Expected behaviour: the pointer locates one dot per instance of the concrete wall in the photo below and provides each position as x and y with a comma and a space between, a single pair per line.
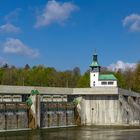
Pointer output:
96, 91
4, 89
100, 110
19, 90
110, 110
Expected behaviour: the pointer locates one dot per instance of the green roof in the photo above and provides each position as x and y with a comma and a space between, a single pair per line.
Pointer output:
95, 61
94, 64
107, 77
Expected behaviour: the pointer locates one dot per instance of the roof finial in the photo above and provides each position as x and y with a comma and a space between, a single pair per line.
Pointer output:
94, 51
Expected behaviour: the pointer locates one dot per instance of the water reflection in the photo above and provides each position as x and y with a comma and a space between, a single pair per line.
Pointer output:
75, 133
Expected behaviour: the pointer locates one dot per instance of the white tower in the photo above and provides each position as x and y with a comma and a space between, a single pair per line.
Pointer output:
95, 71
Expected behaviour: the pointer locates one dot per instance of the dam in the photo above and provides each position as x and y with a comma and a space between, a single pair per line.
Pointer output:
103, 103
65, 107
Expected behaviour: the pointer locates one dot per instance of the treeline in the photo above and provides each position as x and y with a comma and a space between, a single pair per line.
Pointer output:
41, 76
128, 79
50, 77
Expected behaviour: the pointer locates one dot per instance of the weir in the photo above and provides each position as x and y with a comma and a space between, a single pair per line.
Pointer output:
57, 114
64, 107
130, 110
16, 115
13, 115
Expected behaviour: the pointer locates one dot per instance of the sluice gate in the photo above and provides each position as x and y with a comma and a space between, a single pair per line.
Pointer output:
16, 115
13, 115
57, 114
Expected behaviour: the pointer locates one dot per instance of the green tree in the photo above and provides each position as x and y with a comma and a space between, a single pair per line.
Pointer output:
37, 76
84, 80
76, 74
51, 77
129, 79
120, 79
10, 76
137, 78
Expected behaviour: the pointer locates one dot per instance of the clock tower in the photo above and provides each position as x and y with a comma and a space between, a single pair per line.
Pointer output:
95, 71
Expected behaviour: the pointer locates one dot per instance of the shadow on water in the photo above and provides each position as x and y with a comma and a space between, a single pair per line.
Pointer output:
74, 133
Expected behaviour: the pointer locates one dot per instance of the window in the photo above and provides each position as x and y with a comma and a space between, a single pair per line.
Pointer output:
94, 83
104, 83
110, 83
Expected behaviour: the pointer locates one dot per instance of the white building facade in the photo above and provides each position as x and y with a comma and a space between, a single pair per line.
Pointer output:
100, 80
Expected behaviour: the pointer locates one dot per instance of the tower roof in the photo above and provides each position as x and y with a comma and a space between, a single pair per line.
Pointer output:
94, 64
95, 61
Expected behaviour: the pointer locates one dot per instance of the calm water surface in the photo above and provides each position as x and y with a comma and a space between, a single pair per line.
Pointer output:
75, 133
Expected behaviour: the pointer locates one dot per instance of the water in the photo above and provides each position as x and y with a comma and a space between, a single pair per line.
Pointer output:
74, 133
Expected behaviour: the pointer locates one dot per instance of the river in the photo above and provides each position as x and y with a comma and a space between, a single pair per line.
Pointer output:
74, 133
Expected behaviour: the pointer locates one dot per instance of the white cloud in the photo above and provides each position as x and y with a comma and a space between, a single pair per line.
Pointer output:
121, 65
15, 46
55, 12
132, 22
13, 15
9, 28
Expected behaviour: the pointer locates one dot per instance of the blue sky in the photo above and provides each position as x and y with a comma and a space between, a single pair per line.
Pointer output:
64, 33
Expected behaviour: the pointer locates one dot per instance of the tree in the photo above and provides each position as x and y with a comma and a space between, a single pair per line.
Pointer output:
5, 66
26, 67
120, 78
1, 75
137, 78
84, 80
129, 79
76, 74
51, 77
10, 76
